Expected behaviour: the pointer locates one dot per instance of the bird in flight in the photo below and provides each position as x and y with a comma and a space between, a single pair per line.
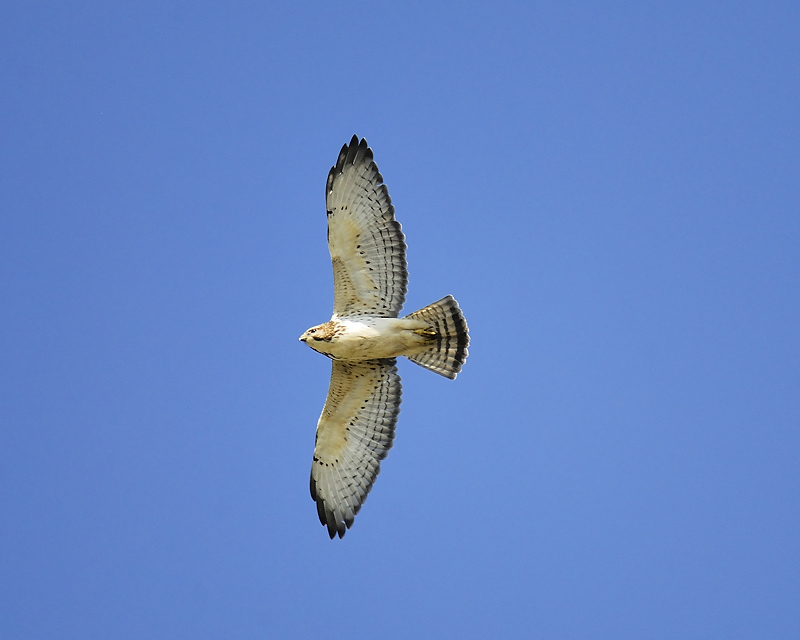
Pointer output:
366, 335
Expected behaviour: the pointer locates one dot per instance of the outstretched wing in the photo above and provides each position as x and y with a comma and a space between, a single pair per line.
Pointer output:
368, 249
354, 433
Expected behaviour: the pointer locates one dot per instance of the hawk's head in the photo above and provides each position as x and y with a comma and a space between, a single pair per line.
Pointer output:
319, 337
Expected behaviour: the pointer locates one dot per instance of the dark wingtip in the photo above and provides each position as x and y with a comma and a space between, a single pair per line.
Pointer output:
328, 519
330, 523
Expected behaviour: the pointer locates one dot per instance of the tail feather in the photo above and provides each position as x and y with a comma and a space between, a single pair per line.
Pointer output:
448, 336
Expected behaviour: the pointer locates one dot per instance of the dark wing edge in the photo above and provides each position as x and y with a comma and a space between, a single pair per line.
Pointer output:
354, 433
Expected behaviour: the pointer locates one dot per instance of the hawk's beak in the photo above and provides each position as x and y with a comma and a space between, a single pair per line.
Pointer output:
302, 338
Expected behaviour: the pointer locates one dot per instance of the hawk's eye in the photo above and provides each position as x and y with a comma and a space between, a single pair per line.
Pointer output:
312, 330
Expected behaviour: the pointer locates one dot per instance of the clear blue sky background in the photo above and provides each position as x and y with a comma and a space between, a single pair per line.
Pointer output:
610, 190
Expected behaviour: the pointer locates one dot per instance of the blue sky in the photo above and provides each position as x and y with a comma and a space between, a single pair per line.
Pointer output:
611, 192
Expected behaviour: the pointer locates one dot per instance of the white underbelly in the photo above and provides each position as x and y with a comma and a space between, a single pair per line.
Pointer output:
375, 338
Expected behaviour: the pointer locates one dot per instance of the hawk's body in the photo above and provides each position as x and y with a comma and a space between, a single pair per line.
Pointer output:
365, 335
365, 338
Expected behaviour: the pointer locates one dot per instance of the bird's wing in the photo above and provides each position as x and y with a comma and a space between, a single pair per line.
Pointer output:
354, 433
367, 246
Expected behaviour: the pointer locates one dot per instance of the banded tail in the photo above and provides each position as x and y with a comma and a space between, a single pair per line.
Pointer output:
449, 337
